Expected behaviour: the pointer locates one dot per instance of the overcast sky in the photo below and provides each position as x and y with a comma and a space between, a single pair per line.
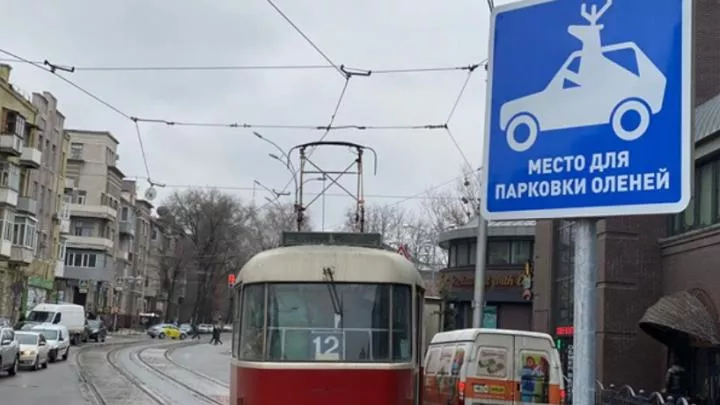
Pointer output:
367, 34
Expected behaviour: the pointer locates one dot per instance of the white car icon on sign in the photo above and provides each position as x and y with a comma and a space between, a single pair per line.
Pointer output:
590, 88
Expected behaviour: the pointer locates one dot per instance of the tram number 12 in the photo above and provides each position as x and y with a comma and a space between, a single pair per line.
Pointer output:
327, 346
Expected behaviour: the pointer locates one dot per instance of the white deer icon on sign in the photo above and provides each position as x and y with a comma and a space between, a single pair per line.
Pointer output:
591, 88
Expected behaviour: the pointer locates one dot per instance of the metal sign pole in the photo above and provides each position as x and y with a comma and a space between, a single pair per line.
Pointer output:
479, 290
583, 388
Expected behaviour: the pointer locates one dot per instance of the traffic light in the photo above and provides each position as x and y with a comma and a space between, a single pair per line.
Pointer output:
558, 344
231, 280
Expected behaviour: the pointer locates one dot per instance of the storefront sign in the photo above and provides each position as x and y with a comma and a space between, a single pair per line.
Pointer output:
40, 282
514, 280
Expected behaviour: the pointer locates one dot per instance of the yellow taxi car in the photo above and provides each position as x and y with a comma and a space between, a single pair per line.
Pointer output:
172, 332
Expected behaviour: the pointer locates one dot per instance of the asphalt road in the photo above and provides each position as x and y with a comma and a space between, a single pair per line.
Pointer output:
210, 360
58, 384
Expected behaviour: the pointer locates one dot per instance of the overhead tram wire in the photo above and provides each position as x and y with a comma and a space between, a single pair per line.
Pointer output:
200, 68
307, 38
52, 69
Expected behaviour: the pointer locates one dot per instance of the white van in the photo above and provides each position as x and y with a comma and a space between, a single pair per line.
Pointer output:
504, 367
72, 316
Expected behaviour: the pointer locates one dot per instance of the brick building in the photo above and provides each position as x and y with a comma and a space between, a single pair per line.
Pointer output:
656, 286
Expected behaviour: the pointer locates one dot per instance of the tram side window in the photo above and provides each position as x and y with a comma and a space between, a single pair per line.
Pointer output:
401, 335
237, 317
253, 322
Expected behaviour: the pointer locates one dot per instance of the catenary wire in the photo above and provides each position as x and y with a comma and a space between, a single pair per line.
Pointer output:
307, 39
91, 95
199, 68
326, 129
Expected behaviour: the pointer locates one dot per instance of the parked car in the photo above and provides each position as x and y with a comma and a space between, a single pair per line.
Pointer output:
9, 351
205, 328
186, 327
34, 350
227, 327
58, 339
97, 330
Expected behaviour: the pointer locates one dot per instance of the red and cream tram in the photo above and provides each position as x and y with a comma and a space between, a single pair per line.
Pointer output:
327, 324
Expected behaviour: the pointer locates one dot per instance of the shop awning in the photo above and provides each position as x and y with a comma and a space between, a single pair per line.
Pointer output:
678, 317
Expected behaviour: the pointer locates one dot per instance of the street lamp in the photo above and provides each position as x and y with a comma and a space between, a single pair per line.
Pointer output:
272, 191
286, 164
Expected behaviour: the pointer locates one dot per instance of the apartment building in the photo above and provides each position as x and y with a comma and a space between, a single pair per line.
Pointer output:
94, 198
46, 192
19, 155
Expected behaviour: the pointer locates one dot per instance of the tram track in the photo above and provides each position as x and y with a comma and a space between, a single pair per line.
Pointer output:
140, 392
92, 385
203, 396
168, 357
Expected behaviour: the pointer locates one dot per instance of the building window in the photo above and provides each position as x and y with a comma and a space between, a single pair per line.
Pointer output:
7, 222
15, 124
76, 150
564, 262
509, 252
521, 251
153, 234
124, 214
77, 259
25, 231
462, 254
703, 209
10, 176
81, 197
498, 252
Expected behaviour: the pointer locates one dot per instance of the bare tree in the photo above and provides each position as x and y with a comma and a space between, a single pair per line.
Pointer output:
212, 223
265, 225
455, 207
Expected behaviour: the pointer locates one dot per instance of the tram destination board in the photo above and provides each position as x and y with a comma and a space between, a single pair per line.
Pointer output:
372, 240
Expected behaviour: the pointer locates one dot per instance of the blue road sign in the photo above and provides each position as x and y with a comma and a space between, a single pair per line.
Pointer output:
588, 109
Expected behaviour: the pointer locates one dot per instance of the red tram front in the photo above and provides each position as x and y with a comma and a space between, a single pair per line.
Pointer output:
327, 325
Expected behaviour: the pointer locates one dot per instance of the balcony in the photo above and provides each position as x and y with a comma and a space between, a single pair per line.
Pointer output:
92, 211
11, 144
8, 197
21, 255
5, 248
27, 205
127, 228
69, 184
106, 273
64, 226
59, 268
124, 255
31, 157
89, 242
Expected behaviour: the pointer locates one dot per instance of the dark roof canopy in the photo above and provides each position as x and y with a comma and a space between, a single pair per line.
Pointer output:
678, 317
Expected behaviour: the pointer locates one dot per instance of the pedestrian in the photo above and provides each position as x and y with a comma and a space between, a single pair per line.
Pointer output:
219, 330
215, 336
195, 332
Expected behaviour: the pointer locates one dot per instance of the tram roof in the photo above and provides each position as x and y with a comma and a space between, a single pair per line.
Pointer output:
351, 264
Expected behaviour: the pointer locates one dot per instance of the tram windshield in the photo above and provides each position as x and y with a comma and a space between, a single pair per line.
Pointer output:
372, 322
